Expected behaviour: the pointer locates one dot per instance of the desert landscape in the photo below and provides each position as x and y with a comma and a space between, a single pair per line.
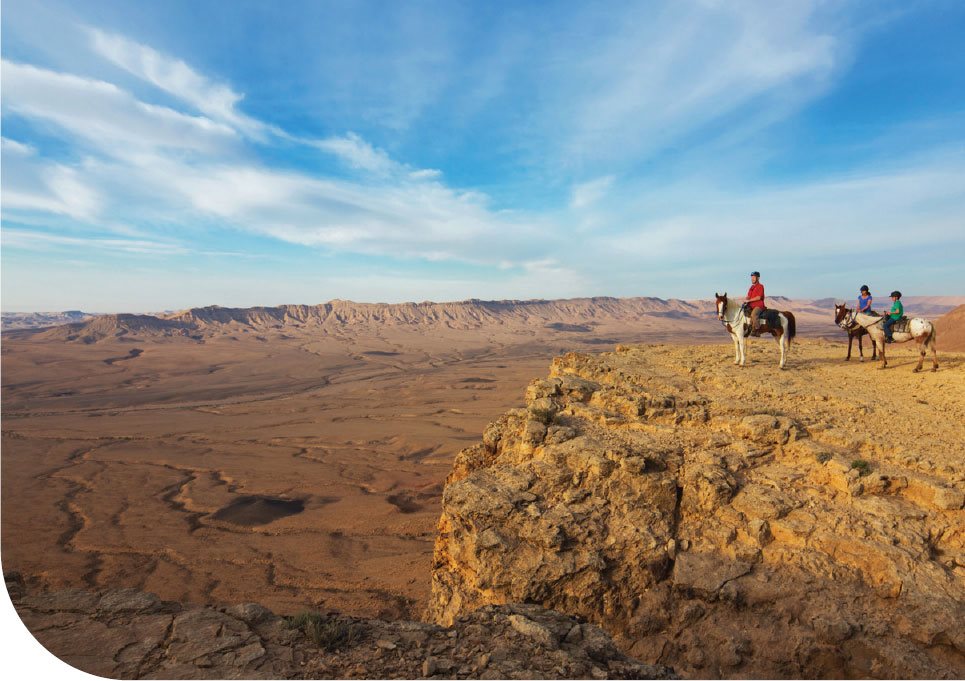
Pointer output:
297, 457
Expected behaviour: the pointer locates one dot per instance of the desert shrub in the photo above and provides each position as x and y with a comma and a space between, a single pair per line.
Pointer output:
823, 457
862, 466
328, 633
544, 416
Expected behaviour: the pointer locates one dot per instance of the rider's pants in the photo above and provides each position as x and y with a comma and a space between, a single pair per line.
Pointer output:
755, 314
887, 324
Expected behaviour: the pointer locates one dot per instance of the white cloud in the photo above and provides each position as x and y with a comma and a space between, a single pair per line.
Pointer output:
357, 153
14, 147
21, 238
658, 73
30, 183
588, 193
216, 100
102, 114
855, 216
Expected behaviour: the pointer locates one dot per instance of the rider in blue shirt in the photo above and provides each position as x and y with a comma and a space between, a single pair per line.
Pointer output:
864, 300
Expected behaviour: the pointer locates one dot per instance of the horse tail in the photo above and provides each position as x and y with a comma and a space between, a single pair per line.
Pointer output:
930, 341
791, 327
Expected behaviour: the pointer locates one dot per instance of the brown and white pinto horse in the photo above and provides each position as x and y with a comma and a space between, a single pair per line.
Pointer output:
854, 331
920, 330
738, 324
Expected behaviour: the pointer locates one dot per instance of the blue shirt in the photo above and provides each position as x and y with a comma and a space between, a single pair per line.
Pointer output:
864, 304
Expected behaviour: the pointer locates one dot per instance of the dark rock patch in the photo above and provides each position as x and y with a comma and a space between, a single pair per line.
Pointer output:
560, 326
254, 510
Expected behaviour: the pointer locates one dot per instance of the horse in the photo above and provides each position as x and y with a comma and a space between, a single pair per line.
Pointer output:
920, 330
738, 324
855, 331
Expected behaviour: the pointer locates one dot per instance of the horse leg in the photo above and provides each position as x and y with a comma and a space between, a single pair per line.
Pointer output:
860, 349
743, 349
737, 348
874, 350
881, 345
850, 341
781, 339
934, 352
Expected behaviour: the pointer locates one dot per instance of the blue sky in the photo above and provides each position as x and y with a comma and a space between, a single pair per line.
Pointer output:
165, 155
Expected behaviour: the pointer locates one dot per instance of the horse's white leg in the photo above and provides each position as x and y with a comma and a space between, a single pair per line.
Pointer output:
880, 344
743, 348
782, 343
737, 351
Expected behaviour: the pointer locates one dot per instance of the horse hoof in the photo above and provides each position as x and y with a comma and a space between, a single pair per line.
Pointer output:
915, 371
934, 369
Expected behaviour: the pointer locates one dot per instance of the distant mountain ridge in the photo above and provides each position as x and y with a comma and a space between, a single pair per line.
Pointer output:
468, 314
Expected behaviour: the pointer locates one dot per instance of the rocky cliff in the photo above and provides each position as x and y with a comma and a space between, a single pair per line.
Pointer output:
740, 523
127, 633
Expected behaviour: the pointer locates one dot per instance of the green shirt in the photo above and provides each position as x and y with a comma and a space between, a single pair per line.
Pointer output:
897, 310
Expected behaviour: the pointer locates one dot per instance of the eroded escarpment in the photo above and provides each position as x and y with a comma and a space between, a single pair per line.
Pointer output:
737, 523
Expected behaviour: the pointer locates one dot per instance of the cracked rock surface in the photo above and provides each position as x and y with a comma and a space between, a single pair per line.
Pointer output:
132, 634
730, 522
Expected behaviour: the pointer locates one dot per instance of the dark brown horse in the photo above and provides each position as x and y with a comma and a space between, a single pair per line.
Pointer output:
855, 330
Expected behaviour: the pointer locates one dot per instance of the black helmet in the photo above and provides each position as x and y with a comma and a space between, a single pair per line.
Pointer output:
896, 294
864, 287
756, 274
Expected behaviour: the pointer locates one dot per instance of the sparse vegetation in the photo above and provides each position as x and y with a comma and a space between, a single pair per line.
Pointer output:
544, 416
823, 457
328, 633
862, 466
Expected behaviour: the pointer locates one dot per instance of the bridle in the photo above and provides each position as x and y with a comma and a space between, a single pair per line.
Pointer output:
720, 314
849, 320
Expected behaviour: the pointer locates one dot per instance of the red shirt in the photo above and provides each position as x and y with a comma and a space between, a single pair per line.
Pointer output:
756, 291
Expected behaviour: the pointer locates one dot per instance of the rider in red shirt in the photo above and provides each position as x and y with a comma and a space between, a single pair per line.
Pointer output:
755, 299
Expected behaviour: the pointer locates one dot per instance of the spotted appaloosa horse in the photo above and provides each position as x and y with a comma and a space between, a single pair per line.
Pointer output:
738, 324
920, 330
855, 331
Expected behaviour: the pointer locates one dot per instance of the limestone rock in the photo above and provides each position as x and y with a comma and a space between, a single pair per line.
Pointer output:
704, 528
147, 638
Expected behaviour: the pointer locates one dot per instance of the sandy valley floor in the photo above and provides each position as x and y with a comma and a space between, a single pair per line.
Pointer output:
305, 471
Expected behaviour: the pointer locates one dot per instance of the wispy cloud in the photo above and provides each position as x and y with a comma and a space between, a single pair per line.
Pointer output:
103, 115
215, 100
20, 238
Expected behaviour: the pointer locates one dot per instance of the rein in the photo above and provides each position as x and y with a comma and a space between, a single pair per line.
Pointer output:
733, 322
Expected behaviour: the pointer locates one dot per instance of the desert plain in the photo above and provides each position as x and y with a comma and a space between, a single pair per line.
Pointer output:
297, 458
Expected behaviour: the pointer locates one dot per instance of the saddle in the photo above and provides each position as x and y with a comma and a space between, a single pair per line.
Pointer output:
901, 326
767, 321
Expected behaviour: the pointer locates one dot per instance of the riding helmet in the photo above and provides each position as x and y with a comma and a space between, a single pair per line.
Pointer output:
864, 288
896, 294
756, 274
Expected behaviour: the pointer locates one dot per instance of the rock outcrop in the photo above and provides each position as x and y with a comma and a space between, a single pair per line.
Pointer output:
715, 521
131, 634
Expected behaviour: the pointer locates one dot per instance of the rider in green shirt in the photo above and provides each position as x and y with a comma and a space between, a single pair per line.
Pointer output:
896, 313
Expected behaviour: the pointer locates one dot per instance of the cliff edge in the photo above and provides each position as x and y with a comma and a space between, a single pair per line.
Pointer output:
125, 633
741, 523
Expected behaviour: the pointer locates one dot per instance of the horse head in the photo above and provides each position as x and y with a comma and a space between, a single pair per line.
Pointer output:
840, 312
842, 315
721, 304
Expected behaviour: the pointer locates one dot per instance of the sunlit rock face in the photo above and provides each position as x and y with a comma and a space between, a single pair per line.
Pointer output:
736, 522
